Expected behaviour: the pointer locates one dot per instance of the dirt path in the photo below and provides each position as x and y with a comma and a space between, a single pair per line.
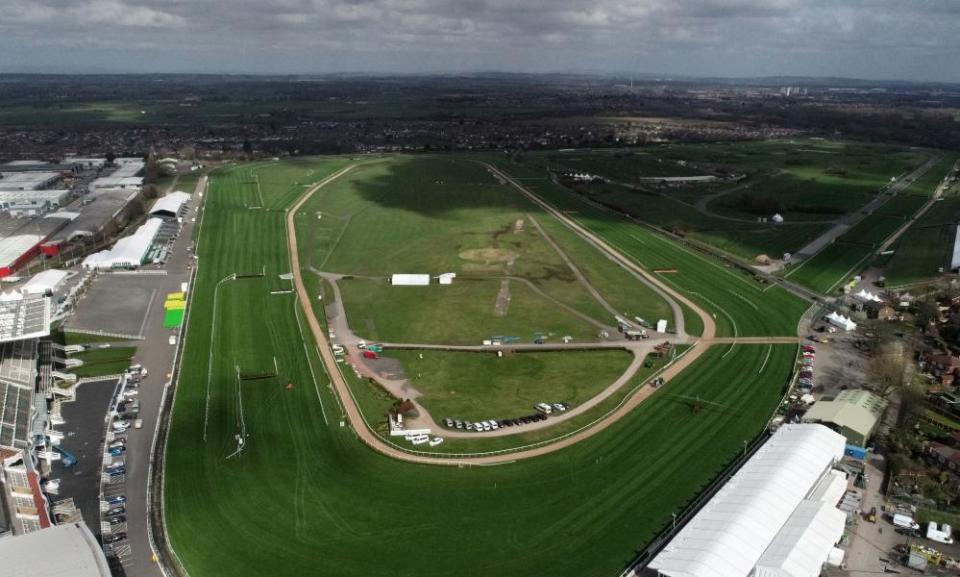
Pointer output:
356, 418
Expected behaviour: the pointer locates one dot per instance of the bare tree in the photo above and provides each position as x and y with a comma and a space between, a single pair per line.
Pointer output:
890, 369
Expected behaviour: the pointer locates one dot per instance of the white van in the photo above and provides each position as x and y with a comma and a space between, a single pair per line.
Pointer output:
905, 522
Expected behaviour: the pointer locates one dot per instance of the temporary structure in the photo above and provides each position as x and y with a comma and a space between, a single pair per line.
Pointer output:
838, 320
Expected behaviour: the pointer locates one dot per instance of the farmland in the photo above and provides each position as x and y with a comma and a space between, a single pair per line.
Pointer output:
305, 497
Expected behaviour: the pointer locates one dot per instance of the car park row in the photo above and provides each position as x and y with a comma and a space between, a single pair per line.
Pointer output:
123, 416
543, 410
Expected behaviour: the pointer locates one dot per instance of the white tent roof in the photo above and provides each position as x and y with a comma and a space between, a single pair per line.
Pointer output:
410, 279
866, 295
804, 543
729, 535
171, 203
129, 251
42, 282
841, 321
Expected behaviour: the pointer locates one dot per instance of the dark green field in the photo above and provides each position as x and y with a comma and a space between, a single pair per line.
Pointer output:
742, 306
305, 497
926, 246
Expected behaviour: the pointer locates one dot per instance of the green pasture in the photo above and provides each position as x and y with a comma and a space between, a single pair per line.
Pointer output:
480, 386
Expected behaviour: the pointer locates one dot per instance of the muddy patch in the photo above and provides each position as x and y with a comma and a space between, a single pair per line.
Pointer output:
489, 255
502, 306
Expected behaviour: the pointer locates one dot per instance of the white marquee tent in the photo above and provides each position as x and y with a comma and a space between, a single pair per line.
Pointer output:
760, 508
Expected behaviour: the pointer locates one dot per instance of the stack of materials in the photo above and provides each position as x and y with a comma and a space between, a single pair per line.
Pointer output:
174, 308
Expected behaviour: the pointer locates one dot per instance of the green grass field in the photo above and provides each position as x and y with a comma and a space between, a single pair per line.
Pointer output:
305, 497
824, 272
101, 362
444, 214
926, 246
478, 386
740, 304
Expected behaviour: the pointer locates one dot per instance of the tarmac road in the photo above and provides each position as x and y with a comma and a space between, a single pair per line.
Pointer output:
156, 355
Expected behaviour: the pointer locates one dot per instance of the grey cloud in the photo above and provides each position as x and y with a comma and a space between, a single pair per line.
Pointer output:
866, 38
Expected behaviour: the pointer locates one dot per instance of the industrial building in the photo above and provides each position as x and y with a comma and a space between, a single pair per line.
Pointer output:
96, 215
128, 252
60, 551
30, 180
777, 516
20, 239
21, 203
854, 414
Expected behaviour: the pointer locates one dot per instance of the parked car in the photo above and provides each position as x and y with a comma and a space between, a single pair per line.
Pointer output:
559, 407
117, 499
114, 537
117, 451
120, 425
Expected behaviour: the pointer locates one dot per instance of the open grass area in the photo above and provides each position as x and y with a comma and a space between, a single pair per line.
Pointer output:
742, 305
305, 497
926, 246
477, 386
923, 243
446, 214
98, 362
824, 272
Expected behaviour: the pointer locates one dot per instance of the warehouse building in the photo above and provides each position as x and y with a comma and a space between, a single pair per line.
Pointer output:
855, 414
128, 252
777, 515
20, 203
28, 180
20, 239
95, 216
64, 550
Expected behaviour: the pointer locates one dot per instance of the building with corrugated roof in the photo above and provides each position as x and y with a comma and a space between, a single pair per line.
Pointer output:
855, 414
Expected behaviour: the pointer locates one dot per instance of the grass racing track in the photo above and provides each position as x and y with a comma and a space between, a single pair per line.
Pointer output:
739, 304
306, 497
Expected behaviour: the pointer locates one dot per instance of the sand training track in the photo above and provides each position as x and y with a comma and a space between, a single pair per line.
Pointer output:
353, 413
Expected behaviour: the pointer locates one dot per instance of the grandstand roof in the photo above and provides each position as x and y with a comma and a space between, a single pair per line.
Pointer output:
15, 407
128, 251
18, 362
59, 551
170, 204
23, 316
730, 534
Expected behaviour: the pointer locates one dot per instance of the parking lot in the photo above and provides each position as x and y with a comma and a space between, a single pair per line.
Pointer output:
116, 304
83, 438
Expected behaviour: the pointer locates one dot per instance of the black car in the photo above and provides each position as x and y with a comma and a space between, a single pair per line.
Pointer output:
114, 537
116, 519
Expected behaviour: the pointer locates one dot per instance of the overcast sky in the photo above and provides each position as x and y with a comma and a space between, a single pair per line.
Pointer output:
888, 39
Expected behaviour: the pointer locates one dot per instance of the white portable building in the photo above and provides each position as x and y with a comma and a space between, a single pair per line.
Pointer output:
410, 279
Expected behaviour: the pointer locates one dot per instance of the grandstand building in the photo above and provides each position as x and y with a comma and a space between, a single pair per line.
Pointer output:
777, 516
65, 550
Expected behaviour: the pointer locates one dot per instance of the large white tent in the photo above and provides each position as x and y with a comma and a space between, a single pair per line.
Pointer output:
760, 507
170, 205
838, 320
128, 251
410, 279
